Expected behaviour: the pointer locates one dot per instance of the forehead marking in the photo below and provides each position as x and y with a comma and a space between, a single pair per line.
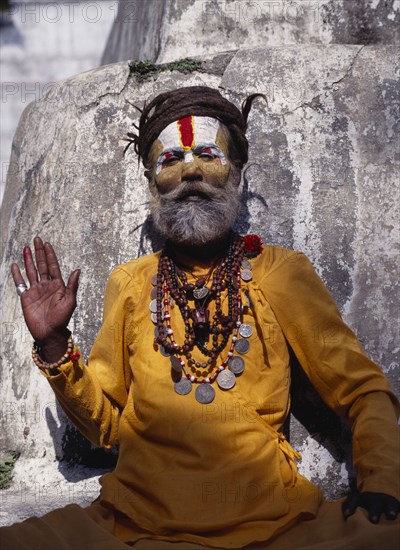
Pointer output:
189, 131
186, 132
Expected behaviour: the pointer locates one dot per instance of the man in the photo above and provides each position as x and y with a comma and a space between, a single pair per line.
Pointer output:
189, 333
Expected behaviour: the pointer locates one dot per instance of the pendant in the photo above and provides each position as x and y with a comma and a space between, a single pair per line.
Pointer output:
200, 293
183, 387
164, 352
153, 317
175, 363
245, 330
246, 274
226, 379
204, 393
236, 365
153, 293
200, 317
242, 346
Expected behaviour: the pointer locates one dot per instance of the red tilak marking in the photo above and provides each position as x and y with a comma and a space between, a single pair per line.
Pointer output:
186, 131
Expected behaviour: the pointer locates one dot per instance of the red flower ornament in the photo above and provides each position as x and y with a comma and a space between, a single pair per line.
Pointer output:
252, 245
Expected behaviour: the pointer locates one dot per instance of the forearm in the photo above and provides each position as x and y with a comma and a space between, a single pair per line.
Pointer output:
80, 395
376, 443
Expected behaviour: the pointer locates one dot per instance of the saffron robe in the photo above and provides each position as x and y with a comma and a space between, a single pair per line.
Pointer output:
222, 474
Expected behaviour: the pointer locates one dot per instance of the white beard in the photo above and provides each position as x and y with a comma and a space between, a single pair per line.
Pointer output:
196, 213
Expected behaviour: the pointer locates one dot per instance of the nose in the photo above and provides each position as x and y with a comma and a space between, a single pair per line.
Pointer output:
191, 172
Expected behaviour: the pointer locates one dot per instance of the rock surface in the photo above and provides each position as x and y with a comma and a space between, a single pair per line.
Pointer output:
41, 43
321, 178
171, 29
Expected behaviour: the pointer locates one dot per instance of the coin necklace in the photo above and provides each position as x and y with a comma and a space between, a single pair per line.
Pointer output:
170, 287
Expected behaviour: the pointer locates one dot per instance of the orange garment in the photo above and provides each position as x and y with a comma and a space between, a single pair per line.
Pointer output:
99, 528
221, 474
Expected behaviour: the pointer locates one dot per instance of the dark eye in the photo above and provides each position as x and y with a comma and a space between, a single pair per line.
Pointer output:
170, 161
206, 156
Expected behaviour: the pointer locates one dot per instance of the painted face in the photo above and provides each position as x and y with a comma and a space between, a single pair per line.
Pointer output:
190, 149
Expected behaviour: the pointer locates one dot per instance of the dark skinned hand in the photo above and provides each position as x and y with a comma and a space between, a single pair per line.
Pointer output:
48, 304
376, 504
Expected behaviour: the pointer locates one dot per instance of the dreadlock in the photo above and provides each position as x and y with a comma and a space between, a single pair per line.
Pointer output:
198, 101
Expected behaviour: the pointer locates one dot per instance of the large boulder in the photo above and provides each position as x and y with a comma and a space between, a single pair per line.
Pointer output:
321, 178
171, 29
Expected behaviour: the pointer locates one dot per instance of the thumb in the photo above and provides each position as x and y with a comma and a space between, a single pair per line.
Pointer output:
73, 281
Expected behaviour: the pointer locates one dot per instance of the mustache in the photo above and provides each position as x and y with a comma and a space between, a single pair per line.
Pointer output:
194, 188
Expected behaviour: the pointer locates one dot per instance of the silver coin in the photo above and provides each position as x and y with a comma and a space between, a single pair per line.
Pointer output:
242, 346
236, 365
205, 393
245, 330
153, 293
153, 306
154, 317
246, 264
246, 274
183, 387
154, 279
226, 379
164, 352
175, 363
200, 293
156, 333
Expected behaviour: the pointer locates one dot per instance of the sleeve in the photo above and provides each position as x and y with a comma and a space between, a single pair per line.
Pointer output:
330, 354
94, 395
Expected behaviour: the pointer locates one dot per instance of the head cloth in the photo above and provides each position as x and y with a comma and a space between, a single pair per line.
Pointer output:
192, 100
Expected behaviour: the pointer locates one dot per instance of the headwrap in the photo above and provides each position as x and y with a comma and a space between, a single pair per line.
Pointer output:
192, 100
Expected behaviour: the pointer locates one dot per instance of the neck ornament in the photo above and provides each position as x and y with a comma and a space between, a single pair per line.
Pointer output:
216, 334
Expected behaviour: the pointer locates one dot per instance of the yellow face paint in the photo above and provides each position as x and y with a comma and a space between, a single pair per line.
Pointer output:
187, 135
206, 160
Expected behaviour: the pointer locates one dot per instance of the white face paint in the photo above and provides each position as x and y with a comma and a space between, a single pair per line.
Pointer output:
189, 136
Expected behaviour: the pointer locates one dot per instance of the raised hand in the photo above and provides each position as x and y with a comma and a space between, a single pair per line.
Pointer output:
48, 303
376, 504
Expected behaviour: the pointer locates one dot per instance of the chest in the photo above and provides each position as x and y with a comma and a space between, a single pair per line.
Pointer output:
260, 390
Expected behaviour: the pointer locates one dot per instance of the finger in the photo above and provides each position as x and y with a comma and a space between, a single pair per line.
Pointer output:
391, 514
392, 509
73, 281
30, 266
52, 262
17, 275
374, 513
350, 504
40, 256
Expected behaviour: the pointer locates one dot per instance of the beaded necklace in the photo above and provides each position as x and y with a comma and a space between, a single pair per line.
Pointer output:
172, 287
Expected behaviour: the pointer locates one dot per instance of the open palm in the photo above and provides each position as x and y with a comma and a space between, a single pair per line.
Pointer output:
48, 303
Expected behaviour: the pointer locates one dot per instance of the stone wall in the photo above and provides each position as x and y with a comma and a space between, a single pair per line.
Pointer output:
321, 178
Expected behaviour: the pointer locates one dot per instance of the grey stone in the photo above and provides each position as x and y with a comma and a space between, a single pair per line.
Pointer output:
164, 30
321, 178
